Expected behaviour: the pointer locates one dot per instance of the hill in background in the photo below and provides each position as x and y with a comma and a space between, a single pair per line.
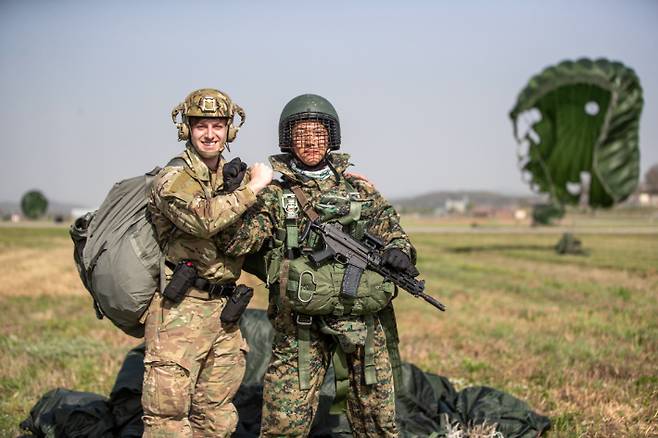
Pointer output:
460, 201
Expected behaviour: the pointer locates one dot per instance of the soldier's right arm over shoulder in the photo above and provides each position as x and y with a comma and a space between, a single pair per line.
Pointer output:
182, 200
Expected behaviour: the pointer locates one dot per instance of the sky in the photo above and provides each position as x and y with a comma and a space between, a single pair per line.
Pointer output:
423, 88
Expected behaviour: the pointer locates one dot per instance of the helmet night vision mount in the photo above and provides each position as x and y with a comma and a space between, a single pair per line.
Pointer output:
207, 103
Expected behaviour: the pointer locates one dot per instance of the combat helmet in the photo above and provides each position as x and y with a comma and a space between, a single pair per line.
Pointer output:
308, 107
207, 102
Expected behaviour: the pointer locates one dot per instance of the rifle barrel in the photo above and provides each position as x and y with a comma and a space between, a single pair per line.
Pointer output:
433, 301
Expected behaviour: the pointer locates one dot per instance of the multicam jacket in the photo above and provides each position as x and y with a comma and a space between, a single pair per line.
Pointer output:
192, 216
262, 221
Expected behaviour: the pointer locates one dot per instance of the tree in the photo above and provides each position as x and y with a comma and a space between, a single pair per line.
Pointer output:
34, 204
651, 179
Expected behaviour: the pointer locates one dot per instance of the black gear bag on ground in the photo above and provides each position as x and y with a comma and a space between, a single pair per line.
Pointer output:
426, 404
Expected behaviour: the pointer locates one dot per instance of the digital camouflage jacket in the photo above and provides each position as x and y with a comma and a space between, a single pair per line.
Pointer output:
192, 216
266, 217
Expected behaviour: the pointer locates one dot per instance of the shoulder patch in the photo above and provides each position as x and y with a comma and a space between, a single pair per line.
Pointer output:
175, 182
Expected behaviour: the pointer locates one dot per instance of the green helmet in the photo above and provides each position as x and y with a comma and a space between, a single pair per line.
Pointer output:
207, 102
308, 107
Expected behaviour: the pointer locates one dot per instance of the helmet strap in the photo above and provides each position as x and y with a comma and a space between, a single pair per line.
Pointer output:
333, 168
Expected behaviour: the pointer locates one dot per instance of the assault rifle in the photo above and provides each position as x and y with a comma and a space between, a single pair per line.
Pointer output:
359, 256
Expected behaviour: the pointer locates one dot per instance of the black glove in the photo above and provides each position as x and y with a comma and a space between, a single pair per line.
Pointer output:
398, 260
236, 305
233, 173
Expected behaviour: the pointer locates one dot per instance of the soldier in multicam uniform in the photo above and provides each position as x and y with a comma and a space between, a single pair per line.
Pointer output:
313, 321
194, 363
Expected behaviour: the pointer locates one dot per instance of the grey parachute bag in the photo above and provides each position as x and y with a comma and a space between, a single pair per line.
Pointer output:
117, 255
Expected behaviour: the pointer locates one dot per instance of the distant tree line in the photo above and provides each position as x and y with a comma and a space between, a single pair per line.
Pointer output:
651, 179
34, 204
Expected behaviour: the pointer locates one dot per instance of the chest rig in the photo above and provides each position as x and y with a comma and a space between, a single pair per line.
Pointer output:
295, 204
313, 292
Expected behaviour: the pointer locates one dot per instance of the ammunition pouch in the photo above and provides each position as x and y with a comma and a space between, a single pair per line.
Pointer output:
236, 305
181, 281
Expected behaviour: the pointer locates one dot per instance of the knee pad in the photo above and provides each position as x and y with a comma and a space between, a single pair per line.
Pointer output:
166, 391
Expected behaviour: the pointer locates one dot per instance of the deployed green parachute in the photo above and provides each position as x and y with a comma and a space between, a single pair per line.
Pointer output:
577, 126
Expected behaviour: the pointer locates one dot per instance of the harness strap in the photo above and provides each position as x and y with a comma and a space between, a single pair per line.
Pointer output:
283, 282
342, 383
353, 215
290, 210
304, 323
355, 206
369, 370
387, 319
304, 202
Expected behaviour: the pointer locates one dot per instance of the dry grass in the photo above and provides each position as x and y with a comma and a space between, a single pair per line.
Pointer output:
33, 271
575, 337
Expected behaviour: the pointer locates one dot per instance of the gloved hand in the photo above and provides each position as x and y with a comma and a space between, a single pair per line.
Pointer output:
398, 260
233, 173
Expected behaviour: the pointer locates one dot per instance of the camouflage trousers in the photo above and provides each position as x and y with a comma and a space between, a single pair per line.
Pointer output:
193, 368
289, 411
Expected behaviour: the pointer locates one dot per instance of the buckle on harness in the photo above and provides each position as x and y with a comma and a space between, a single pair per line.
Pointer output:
304, 320
290, 206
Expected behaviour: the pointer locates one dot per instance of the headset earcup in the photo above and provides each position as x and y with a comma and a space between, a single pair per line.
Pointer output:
232, 133
183, 131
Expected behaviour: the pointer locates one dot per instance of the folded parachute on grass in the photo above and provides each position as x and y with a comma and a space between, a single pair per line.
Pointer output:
426, 404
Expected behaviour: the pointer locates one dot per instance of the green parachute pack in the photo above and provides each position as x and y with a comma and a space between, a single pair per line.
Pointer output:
117, 255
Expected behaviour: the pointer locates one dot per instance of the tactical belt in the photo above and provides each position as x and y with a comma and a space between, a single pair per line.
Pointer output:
207, 290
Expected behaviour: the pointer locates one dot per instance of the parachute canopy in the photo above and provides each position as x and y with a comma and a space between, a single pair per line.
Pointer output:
577, 126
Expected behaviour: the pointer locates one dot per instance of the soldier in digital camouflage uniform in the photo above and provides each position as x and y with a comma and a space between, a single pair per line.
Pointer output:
308, 332
194, 363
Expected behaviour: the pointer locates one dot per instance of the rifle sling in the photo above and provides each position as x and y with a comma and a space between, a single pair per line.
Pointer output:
306, 205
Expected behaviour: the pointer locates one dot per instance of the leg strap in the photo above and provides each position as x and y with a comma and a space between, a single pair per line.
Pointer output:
369, 369
339, 405
303, 350
387, 319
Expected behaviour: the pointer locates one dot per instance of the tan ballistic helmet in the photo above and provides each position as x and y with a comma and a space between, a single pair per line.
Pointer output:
207, 102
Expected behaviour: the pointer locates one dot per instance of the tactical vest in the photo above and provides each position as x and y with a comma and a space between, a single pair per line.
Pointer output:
315, 291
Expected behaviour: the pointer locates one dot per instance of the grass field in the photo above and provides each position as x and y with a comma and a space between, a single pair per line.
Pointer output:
574, 336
